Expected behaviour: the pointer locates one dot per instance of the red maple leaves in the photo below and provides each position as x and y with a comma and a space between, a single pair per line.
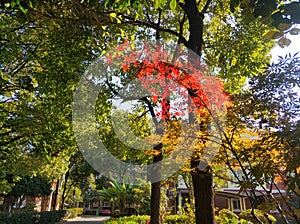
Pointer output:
176, 81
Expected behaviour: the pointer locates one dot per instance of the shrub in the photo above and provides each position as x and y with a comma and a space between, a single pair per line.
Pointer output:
263, 216
52, 216
226, 216
174, 219
227, 213
30, 206
32, 217
188, 210
140, 219
73, 213
22, 217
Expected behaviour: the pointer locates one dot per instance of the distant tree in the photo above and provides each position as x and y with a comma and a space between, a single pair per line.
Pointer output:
26, 186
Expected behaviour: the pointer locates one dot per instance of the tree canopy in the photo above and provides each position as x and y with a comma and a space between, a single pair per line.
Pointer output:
47, 45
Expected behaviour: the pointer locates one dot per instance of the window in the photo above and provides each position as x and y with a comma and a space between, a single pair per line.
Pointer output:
236, 204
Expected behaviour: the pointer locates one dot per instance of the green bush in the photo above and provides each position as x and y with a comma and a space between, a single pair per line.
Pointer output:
30, 206
52, 216
32, 217
227, 213
140, 219
21, 217
73, 213
188, 210
174, 219
263, 216
226, 216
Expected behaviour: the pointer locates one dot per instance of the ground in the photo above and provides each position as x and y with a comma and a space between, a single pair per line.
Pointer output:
87, 219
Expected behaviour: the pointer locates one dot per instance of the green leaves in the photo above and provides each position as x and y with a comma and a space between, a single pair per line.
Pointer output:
281, 80
19, 4
280, 15
32, 186
294, 31
173, 4
273, 34
245, 59
284, 42
43, 60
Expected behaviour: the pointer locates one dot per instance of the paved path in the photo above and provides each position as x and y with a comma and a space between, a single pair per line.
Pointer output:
87, 219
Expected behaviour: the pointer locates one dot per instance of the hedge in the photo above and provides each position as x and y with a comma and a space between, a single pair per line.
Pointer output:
140, 219
224, 217
174, 219
144, 219
26, 217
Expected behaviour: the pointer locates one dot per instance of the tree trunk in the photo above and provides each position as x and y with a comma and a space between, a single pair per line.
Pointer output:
63, 196
54, 201
155, 193
203, 193
112, 206
155, 202
195, 19
7, 202
202, 180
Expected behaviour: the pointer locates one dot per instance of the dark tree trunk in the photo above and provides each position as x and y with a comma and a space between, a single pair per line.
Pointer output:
7, 202
156, 172
202, 179
155, 193
155, 202
63, 196
195, 19
54, 201
203, 193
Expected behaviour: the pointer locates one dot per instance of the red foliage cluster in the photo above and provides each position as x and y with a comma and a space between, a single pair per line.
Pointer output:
166, 75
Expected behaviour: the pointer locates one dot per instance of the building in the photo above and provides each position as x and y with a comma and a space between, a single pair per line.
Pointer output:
232, 198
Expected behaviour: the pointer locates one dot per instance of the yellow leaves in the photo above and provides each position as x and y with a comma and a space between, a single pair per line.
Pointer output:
169, 139
153, 152
233, 62
203, 115
260, 153
113, 15
34, 82
153, 139
116, 17
278, 179
186, 169
123, 33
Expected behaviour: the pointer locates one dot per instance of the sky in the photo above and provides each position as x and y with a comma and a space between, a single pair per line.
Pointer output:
292, 48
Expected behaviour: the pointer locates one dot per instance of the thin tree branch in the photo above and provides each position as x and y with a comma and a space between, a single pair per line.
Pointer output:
205, 8
133, 22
